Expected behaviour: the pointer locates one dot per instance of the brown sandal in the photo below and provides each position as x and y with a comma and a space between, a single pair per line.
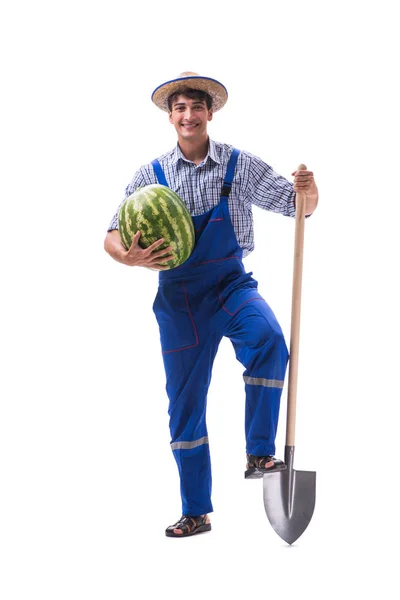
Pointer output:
189, 526
256, 468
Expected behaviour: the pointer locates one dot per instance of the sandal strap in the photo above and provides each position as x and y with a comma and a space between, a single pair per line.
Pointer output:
188, 524
259, 462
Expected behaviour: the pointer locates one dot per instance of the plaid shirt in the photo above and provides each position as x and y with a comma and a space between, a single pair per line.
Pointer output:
200, 186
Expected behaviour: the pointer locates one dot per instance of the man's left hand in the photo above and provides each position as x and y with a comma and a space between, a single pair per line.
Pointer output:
304, 183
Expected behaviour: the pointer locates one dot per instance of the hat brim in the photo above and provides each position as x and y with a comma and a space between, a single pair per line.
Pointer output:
214, 88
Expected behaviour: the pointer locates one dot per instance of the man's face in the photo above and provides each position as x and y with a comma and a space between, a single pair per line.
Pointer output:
190, 117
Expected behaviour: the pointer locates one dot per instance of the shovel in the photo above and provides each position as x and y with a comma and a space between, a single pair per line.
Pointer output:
289, 495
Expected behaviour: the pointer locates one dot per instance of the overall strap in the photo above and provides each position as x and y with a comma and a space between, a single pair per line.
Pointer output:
159, 172
230, 171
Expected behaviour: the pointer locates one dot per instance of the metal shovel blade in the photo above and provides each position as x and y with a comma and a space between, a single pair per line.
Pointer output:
289, 499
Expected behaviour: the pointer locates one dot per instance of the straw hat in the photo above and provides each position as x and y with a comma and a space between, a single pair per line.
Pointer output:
214, 88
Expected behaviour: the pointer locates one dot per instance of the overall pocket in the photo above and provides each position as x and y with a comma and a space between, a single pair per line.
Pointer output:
177, 327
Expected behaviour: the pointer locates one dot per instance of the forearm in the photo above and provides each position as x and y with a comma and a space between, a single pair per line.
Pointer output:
151, 257
113, 246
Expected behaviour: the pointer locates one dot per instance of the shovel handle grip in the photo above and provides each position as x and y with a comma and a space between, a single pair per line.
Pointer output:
296, 308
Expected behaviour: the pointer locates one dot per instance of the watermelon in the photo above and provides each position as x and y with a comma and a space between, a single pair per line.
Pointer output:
158, 213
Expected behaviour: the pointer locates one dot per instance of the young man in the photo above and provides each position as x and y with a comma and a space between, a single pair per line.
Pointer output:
211, 295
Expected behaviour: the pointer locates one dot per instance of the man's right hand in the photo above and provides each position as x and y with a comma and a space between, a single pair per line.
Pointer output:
136, 256
148, 257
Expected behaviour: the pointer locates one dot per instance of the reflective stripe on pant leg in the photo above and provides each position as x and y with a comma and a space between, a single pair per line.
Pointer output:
189, 445
271, 383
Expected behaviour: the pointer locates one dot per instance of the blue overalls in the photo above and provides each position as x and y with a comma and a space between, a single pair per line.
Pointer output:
206, 298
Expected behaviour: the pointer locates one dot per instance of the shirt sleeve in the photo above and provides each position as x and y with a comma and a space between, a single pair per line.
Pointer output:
269, 190
138, 180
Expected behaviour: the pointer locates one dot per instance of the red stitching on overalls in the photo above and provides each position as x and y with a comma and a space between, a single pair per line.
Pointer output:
239, 307
193, 323
216, 260
210, 221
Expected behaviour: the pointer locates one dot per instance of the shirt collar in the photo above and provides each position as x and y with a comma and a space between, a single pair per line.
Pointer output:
176, 153
212, 152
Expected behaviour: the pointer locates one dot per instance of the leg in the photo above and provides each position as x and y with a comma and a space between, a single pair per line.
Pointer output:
260, 346
188, 375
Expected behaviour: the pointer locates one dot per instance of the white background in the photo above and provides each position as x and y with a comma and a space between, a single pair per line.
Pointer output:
88, 482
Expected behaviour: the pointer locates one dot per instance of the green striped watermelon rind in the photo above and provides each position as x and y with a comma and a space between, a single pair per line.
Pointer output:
159, 213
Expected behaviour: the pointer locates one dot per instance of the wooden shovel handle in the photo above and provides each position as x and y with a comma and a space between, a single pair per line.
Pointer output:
296, 307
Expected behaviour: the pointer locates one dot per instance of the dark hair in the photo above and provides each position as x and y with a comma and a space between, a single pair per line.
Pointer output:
192, 94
